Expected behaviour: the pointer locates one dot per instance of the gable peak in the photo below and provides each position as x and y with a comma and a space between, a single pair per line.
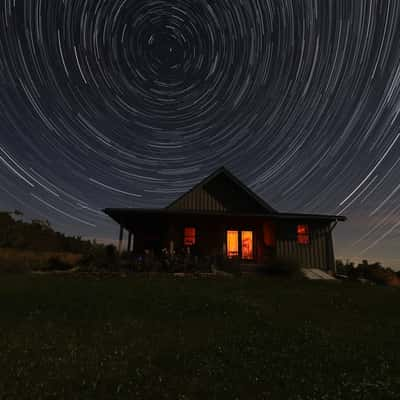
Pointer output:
221, 191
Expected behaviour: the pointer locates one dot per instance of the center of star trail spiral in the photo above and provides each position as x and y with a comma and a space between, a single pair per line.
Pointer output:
165, 55
131, 102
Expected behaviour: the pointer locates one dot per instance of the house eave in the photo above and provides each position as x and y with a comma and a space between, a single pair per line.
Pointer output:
113, 212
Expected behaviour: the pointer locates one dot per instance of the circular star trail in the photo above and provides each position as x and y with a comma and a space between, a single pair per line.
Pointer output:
130, 102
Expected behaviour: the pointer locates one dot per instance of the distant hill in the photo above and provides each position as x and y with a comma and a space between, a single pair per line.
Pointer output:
36, 235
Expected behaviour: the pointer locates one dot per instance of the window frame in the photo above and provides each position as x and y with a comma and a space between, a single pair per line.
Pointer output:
189, 236
239, 232
303, 236
236, 232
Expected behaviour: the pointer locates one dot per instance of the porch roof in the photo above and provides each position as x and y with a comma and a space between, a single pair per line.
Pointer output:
121, 215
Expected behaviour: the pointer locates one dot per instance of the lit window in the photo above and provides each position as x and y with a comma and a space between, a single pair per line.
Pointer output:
303, 234
247, 245
232, 241
189, 236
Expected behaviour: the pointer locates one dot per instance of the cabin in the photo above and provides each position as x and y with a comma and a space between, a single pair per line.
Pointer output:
222, 217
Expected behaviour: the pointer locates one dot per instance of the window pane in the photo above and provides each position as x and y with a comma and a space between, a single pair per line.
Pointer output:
302, 229
232, 243
303, 236
189, 236
247, 245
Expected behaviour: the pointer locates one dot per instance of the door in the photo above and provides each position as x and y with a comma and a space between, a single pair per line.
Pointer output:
244, 248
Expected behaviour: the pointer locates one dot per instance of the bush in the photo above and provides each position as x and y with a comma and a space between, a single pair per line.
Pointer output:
203, 264
57, 264
374, 272
101, 259
18, 261
379, 275
13, 266
345, 269
87, 263
230, 265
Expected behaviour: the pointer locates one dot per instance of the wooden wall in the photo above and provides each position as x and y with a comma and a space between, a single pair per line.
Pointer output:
317, 254
211, 236
218, 195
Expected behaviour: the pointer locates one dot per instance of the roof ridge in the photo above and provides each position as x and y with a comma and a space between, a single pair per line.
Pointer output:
232, 177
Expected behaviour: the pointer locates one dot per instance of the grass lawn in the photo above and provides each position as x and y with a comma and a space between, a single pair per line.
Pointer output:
173, 338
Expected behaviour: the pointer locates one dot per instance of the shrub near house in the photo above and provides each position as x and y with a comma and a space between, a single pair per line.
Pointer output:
374, 272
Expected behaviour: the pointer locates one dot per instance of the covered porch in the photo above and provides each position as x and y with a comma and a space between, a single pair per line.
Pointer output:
248, 238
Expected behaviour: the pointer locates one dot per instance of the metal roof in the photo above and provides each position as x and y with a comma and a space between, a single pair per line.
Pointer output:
112, 212
117, 213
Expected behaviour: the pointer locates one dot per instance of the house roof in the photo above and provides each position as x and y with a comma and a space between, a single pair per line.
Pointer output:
219, 194
114, 212
222, 171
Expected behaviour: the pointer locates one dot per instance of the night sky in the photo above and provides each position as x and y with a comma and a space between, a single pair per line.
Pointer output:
128, 103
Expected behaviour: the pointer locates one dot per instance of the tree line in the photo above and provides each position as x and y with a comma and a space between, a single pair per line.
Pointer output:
37, 235
372, 272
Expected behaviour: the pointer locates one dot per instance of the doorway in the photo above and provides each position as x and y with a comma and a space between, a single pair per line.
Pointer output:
240, 244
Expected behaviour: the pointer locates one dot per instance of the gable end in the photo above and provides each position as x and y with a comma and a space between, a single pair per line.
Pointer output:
221, 192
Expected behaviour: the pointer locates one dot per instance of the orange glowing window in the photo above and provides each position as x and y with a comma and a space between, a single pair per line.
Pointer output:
189, 236
303, 234
247, 245
232, 243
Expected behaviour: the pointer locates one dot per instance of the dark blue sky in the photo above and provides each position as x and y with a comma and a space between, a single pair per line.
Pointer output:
130, 103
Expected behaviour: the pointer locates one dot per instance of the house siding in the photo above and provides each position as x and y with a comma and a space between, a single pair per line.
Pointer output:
218, 195
199, 200
317, 254
211, 237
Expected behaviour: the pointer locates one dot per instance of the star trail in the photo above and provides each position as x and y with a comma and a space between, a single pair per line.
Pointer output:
128, 103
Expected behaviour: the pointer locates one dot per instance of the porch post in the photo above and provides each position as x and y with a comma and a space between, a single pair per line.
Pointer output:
129, 241
170, 239
121, 237
223, 236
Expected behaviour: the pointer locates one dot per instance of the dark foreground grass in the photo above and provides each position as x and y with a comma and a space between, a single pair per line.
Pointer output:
166, 338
